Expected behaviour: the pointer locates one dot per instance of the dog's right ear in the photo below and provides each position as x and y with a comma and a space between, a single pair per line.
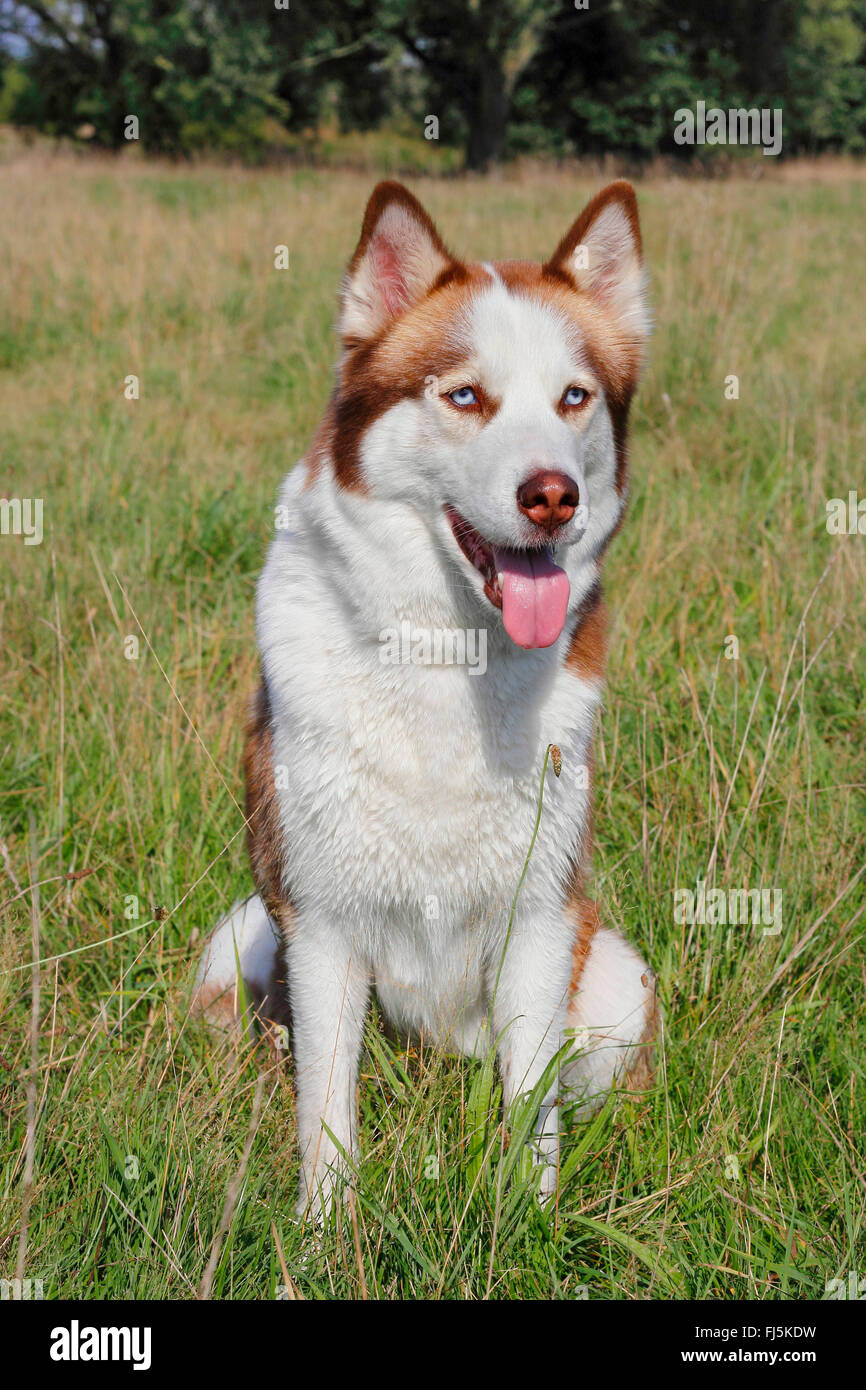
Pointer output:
601, 256
399, 258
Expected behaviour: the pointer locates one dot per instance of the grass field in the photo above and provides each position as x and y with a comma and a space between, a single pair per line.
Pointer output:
743, 1173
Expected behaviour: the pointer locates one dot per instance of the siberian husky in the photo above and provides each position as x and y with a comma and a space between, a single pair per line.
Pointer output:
466, 479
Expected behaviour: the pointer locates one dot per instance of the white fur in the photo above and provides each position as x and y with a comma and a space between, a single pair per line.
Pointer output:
614, 273
408, 794
367, 304
608, 1016
249, 937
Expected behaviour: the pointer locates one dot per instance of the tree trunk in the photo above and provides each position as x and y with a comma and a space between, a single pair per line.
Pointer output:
487, 114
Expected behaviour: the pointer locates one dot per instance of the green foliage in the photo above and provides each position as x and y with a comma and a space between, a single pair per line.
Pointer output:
14, 82
189, 72
501, 76
612, 79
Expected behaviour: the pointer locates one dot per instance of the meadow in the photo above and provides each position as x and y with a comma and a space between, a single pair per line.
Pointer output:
140, 1156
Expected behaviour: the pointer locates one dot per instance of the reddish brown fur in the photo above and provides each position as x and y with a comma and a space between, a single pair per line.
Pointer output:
376, 374
264, 831
587, 651
620, 191
322, 445
588, 923
383, 195
617, 361
578, 907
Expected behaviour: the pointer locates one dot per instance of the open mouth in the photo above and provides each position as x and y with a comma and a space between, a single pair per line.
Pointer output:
530, 589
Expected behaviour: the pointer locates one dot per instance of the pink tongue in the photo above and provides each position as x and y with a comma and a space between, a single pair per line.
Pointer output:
535, 595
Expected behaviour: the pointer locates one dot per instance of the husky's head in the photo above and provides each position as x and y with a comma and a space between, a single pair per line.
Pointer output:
487, 403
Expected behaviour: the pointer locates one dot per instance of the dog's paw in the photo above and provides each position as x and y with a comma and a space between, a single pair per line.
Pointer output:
549, 1182
322, 1194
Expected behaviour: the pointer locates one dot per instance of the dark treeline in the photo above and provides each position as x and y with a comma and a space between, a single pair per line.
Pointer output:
501, 77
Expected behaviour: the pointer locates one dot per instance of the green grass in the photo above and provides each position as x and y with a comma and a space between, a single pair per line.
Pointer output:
742, 1173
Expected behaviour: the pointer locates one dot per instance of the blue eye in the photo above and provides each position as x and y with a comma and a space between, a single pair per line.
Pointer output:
575, 395
464, 395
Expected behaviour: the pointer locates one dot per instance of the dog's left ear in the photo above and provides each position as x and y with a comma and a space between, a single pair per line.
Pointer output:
398, 259
602, 256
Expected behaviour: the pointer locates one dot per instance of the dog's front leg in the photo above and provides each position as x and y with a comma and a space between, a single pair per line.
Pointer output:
329, 989
529, 1014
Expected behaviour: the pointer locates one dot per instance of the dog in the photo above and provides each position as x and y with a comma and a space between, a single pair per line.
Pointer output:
467, 476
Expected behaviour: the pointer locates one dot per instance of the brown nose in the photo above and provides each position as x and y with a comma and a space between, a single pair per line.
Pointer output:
549, 499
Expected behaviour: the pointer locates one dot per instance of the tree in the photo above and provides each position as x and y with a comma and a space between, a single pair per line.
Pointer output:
474, 53
499, 75
175, 66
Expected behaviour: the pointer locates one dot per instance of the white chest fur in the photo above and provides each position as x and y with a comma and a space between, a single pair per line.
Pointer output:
408, 793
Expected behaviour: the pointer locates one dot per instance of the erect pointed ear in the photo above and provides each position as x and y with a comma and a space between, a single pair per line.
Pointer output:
602, 255
399, 257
